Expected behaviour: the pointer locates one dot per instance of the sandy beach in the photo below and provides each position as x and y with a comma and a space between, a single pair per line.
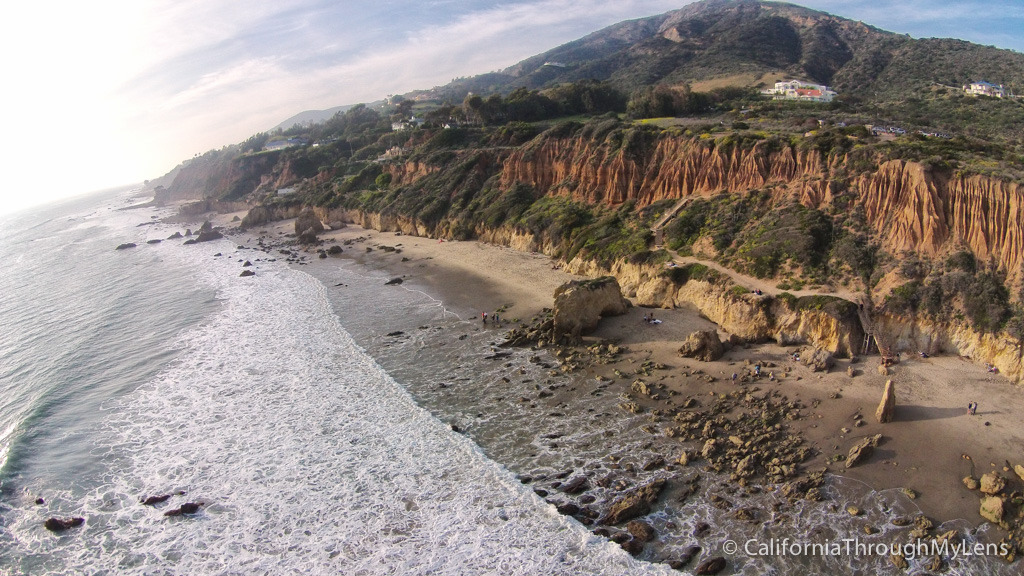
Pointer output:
929, 448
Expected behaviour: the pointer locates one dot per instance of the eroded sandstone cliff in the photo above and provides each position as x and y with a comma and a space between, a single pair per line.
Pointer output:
911, 207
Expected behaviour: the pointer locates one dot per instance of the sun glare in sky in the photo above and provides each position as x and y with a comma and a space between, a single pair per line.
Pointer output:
99, 94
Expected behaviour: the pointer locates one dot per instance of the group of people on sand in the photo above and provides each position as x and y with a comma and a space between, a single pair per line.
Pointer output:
650, 319
495, 318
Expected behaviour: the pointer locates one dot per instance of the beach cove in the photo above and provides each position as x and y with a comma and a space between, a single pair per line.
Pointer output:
923, 452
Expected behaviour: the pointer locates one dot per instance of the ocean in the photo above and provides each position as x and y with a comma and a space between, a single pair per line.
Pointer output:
327, 424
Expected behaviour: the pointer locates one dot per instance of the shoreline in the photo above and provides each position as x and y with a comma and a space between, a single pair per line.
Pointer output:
923, 447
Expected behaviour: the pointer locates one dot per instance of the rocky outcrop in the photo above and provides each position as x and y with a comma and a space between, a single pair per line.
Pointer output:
307, 226
579, 305
992, 483
819, 360
863, 450
887, 407
702, 345
827, 323
992, 509
633, 504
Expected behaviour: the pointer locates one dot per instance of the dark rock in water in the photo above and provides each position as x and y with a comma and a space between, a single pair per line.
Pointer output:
40, 501
208, 235
186, 508
125, 245
640, 530
498, 356
334, 250
154, 241
395, 333
393, 281
308, 236
620, 537
61, 524
144, 224
246, 273
568, 509
685, 558
634, 503
189, 242
712, 566
322, 254
155, 499
175, 236
633, 546
217, 254
247, 264
576, 485
456, 429
701, 529
206, 227
188, 231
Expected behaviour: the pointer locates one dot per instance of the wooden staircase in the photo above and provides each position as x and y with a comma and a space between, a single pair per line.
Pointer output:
659, 234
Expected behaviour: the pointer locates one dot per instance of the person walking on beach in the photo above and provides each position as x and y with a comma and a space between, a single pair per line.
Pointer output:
483, 315
972, 408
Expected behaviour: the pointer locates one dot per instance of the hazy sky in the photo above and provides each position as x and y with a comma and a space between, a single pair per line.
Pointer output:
111, 92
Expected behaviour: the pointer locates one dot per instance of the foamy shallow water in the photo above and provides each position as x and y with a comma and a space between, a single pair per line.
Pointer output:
309, 457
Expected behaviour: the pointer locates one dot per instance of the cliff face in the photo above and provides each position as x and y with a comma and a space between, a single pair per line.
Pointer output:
671, 168
913, 208
751, 317
910, 207
914, 335
221, 179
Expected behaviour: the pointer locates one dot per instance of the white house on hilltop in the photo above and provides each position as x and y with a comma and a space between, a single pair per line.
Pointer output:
800, 90
983, 88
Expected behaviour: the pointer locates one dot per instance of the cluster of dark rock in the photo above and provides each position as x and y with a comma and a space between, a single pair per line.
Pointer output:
55, 524
206, 233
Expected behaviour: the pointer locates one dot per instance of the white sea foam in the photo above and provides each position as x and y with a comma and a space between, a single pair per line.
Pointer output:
310, 459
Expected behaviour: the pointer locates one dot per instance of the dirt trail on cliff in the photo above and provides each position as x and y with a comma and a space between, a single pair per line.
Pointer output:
766, 286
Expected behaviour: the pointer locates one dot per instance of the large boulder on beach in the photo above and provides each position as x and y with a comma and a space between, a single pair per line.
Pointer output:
703, 345
863, 450
208, 235
306, 224
992, 483
819, 360
992, 509
887, 407
256, 216
633, 504
580, 304
124, 246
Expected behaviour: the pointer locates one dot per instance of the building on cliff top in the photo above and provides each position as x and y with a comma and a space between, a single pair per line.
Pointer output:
800, 90
983, 88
